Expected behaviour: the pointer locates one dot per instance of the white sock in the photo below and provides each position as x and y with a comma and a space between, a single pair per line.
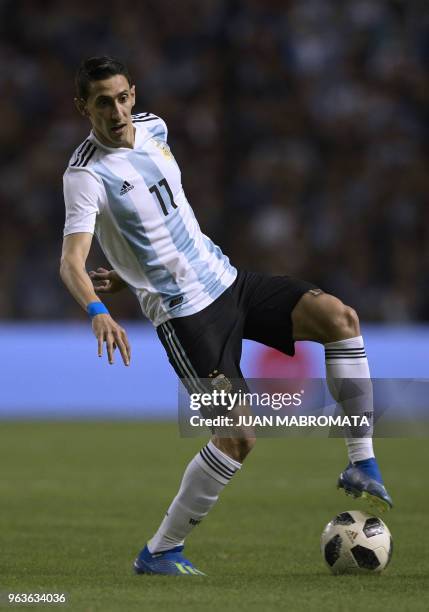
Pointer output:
346, 359
204, 478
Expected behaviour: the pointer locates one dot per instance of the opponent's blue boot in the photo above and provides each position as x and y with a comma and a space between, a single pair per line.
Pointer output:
168, 563
363, 479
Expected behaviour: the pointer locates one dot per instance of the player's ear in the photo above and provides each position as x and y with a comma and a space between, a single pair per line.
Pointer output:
81, 106
133, 94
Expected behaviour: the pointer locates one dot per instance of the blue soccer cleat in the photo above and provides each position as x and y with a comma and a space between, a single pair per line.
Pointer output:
168, 563
363, 479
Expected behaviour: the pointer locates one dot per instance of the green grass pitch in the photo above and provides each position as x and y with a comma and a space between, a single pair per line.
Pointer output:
78, 501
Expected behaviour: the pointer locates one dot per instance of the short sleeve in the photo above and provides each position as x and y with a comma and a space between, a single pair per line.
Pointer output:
154, 125
83, 194
160, 129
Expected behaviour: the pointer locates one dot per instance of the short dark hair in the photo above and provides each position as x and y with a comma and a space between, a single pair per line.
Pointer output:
97, 69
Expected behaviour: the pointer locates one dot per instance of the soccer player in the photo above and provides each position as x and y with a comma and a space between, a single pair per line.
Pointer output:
123, 184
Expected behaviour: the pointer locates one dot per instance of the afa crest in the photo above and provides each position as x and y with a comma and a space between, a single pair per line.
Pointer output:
165, 149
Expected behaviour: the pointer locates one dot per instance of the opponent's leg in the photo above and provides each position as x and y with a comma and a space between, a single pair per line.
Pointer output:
325, 319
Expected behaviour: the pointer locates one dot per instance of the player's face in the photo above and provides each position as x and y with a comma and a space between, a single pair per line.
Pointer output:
109, 107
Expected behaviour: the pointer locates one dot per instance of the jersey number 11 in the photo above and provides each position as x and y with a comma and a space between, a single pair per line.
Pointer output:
154, 189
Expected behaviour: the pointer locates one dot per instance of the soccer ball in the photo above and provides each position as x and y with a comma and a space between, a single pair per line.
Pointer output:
356, 542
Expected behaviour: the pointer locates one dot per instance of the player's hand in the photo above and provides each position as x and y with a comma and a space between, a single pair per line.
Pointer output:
106, 330
106, 281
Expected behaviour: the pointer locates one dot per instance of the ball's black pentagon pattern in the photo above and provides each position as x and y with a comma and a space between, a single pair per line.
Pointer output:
389, 556
333, 549
373, 526
343, 519
365, 558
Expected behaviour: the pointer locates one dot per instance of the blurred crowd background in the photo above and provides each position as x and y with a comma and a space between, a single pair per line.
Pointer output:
301, 128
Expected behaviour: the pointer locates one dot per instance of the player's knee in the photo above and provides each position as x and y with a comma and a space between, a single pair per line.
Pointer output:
344, 322
240, 448
237, 448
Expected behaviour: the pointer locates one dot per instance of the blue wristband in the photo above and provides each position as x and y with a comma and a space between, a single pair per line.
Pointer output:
96, 308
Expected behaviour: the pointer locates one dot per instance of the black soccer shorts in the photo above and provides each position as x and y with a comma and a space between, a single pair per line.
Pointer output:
256, 307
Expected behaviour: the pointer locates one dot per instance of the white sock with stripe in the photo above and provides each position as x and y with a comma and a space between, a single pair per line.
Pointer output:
204, 478
346, 359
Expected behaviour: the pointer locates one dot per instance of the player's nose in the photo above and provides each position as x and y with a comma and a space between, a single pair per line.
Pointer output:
116, 114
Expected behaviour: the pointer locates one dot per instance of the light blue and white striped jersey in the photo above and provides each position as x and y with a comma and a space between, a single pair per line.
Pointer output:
133, 200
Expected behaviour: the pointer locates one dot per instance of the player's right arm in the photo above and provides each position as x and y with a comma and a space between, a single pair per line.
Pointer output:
74, 275
72, 269
84, 197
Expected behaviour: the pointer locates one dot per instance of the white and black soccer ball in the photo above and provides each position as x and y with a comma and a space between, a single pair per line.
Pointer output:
356, 542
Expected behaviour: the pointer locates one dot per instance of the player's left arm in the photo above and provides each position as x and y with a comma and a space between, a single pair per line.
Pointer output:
106, 281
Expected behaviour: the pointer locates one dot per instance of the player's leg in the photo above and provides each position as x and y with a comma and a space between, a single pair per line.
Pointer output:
281, 310
204, 479
324, 318
197, 346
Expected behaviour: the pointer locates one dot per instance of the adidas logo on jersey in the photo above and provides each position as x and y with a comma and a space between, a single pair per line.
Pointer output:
126, 187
